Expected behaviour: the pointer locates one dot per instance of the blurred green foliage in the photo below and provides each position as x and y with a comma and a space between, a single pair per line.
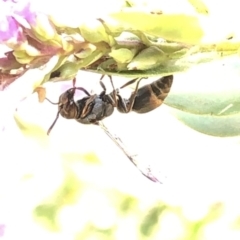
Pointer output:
106, 213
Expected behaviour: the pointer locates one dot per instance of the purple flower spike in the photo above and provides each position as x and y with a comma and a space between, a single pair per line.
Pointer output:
16, 12
2, 229
8, 28
25, 11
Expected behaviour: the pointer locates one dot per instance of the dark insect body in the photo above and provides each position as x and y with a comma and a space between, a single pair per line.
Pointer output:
94, 108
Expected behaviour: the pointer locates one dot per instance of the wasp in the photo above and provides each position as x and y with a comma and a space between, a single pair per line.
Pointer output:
94, 108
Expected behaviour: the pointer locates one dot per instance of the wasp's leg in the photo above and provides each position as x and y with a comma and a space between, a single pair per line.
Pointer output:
126, 105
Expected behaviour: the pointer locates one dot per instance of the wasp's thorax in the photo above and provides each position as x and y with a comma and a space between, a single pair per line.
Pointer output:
93, 109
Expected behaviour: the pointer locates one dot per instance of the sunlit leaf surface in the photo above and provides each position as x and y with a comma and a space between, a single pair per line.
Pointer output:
225, 126
173, 27
209, 102
199, 6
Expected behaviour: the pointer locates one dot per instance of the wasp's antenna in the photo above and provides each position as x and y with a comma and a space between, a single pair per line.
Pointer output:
74, 82
54, 122
51, 101
129, 83
82, 89
79, 88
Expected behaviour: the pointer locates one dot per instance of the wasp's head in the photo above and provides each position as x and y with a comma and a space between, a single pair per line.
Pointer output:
66, 97
67, 107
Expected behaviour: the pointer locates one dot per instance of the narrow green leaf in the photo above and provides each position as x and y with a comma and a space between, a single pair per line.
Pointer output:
199, 6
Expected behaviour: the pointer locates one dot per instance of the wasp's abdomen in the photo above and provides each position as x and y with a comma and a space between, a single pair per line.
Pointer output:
152, 95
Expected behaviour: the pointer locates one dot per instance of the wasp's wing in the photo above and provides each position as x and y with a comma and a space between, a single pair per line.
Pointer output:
145, 170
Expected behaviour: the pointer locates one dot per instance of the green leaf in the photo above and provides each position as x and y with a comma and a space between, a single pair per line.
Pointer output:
216, 104
208, 89
173, 27
227, 126
207, 98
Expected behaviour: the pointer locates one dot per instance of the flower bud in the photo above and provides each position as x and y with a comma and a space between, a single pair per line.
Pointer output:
121, 67
108, 65
90, 59
22, 57
94, 32
32, 51
43, 28
41, 92
87, 51
148, 58
122, 55
68, 70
